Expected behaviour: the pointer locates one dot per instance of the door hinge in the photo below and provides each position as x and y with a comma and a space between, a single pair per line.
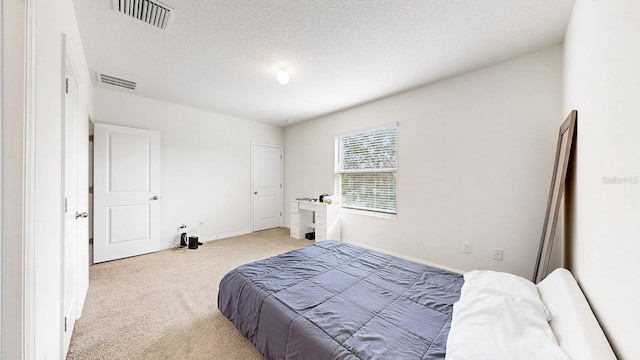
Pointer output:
65, 205
280, 157
90, 138
66, 85
90, 241
281, 213
65, 324
280, 186
90, 189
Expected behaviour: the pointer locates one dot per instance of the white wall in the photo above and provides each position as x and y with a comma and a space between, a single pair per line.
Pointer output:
602, 81
475, 159
206, 162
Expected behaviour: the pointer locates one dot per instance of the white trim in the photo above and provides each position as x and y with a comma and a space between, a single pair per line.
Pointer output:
63, 178
2, 291
339, 171
251, 190
28, 191
365, 171
216, 237
350, 210
368, 128
421, 261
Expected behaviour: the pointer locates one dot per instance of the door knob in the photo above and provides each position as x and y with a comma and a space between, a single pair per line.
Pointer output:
82, 214
255, 193
156, 197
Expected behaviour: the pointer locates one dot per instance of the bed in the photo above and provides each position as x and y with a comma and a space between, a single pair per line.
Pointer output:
334, 300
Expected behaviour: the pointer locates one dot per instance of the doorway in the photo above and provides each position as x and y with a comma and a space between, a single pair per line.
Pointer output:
266, 180
74, 259
126, 192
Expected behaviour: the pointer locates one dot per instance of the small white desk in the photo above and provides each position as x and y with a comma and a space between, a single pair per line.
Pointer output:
326, 223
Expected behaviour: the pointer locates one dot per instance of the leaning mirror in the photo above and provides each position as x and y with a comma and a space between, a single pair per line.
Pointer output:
563, 154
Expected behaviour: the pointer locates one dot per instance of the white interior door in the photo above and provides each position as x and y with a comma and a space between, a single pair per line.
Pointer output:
267, 186
72, 208
126, 192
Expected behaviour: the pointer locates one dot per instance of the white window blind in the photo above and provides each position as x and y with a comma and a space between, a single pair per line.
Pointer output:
366, 165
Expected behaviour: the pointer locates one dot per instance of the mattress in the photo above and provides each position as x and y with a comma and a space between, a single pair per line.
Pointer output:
333, 300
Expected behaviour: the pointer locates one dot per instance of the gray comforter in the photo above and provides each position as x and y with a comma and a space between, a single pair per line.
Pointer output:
333, 300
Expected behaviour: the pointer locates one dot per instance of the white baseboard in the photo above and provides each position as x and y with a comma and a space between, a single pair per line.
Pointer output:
201, 238
421, 261
214, 237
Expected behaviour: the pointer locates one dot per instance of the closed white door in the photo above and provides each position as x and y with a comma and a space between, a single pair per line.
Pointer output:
126, 192
73, 211
267, 186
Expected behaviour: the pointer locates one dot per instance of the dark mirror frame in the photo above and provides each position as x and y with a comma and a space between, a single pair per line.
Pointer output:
563, 154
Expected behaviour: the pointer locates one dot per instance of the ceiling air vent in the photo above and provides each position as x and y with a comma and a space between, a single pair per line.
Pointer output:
116, 81
152, 12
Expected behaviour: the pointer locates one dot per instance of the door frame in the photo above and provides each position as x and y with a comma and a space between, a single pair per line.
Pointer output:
17, 330
29, 184
253, 145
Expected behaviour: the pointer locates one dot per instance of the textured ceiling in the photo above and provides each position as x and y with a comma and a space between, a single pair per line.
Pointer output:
223, 55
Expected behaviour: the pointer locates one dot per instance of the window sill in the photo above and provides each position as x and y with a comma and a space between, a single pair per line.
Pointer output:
369, 213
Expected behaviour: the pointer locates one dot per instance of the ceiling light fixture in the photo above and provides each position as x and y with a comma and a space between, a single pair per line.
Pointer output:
283, 77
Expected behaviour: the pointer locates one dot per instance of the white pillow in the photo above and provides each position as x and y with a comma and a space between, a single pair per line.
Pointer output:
500, 316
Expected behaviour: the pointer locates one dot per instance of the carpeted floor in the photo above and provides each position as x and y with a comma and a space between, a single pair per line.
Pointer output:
164, 305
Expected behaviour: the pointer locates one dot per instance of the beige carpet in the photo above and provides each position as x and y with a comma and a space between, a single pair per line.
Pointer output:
164, 305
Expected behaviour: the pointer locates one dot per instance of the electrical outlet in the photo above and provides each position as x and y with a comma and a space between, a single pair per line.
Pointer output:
466, 247
497, 254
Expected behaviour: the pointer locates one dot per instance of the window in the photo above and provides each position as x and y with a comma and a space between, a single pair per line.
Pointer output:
366, 169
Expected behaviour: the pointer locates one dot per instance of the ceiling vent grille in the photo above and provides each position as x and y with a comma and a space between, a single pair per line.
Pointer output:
116, 81
152, 12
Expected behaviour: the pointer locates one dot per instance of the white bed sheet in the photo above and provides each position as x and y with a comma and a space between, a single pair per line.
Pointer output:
503, 316
500, 317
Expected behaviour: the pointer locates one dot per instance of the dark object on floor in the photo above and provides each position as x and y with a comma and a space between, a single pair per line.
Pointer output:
310, 235
193, 242
183, 239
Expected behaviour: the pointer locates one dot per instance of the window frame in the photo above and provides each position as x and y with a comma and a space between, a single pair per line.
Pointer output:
339, 172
